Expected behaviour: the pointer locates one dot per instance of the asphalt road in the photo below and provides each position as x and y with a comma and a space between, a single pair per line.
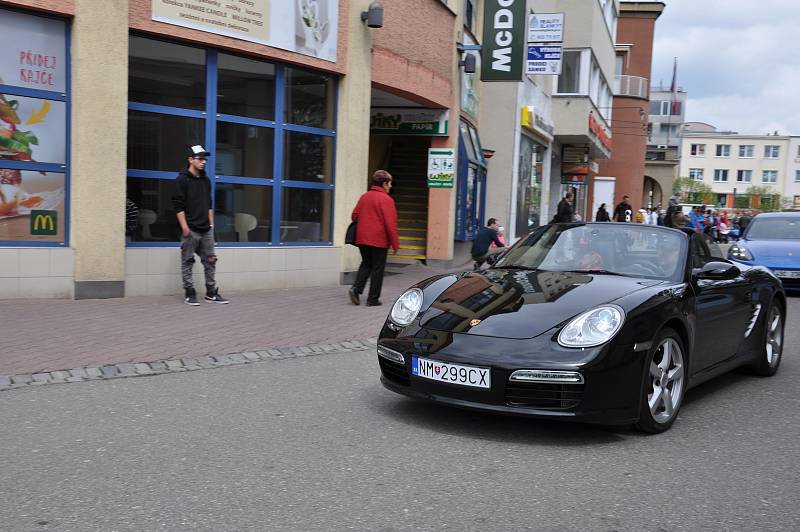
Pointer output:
317, 444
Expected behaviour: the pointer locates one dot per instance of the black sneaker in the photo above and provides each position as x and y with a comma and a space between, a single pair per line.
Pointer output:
354, 297
214, 297
374, 303
191, 298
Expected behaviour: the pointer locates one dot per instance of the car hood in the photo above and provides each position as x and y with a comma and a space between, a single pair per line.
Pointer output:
520, 303
774, 252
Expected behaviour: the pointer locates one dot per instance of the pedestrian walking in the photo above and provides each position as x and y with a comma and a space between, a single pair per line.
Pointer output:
671, 209
564, 212
744, 221
602, 214
484, 238
623, 211
678, 218
192, 202
376, 232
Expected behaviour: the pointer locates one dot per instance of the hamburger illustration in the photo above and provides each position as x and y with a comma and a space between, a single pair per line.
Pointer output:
15, 145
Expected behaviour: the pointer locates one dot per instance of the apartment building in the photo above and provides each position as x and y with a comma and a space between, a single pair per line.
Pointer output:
731, 163
664, 124
791, 186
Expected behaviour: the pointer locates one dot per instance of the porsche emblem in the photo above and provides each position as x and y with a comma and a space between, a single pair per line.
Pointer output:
473, 323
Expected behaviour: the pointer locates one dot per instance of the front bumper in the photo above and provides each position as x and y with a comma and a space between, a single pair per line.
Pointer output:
610, 393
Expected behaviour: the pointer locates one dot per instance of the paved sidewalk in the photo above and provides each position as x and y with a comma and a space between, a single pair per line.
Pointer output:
46, 335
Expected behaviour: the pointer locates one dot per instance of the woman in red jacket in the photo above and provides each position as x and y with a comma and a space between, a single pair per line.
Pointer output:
376, 232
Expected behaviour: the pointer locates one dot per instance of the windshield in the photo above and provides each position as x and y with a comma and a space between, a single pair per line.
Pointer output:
774, 229
622, 249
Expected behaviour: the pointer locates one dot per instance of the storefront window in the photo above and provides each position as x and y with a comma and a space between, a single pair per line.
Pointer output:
162, 73
528, 187
244, 150
242, 213
34, 112
156, 221
153, 140
306, 215
272, 179
471, 195
307, 157
309, 98
246, 87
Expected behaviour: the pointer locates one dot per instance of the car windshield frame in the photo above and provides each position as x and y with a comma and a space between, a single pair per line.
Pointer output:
629, 250
776, 221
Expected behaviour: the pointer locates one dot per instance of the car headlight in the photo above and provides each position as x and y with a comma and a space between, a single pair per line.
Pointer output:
407, 307
593, 327
740, 253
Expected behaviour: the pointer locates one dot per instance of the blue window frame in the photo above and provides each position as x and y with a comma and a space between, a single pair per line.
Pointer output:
471, 190
35, 169
272, 147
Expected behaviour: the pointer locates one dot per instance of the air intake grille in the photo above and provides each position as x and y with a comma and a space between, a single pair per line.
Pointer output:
544, 395
394, 372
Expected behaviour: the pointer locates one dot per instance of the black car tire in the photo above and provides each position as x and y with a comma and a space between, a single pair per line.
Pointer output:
652, 381
766, 365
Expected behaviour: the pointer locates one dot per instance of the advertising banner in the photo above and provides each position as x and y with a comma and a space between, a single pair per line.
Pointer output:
34, 53
404, 121
503, 40
543, 60
441, 167
307, 27
546, 27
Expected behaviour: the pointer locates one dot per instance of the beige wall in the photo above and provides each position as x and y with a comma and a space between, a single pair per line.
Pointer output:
710, 162
352, 133
99, 140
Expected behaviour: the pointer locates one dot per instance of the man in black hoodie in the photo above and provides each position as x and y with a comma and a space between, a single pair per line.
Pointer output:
192, 201
624, 211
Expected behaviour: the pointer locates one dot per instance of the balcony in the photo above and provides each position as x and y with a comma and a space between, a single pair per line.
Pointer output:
632, 86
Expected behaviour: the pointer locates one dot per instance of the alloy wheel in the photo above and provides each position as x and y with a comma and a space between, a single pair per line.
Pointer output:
774, 336
667, 381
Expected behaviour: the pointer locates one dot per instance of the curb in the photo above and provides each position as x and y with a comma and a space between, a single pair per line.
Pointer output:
143, 369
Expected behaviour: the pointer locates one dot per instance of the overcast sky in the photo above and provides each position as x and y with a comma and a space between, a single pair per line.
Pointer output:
739, 61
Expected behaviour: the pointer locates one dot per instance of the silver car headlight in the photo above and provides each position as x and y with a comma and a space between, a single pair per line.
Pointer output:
740, 253
406, 307
593, 327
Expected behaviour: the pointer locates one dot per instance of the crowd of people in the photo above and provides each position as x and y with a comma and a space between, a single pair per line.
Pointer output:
722, 225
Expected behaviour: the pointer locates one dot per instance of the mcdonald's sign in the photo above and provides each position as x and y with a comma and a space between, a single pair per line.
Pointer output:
44, 223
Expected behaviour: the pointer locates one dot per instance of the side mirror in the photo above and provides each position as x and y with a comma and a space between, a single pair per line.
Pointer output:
718, 271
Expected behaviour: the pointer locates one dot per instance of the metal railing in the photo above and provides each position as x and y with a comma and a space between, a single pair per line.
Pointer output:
632, 86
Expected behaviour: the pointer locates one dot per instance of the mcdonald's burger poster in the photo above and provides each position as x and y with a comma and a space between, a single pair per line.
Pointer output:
31, 129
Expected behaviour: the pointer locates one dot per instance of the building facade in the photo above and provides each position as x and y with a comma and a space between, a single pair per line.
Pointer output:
791, 186
662, 161
581, 101
731, 163
297, 101
634, 56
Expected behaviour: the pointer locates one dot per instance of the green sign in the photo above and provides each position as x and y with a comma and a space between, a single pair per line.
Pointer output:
504, 27
391, 121
44, 223
441, 167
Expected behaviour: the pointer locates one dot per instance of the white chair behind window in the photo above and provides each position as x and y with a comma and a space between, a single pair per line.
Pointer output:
244, 223
146, 219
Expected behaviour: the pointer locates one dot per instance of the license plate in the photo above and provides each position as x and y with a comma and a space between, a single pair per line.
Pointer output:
788, 274
452, 373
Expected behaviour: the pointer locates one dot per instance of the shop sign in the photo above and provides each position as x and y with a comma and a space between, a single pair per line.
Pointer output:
403, 121
574, 179
546, 27
543, 60
44, 223
599, 132
34, 53
441, 167
307, 27
504, 40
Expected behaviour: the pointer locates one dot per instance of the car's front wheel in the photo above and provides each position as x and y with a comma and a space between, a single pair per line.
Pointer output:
770, 356
664, 384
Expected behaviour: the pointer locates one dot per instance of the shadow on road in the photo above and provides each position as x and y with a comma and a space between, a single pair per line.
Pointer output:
488, 426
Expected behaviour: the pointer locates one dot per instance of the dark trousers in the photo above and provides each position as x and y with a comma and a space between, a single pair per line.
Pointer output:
373, 262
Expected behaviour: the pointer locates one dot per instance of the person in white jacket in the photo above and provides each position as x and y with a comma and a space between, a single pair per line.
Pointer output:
650, 217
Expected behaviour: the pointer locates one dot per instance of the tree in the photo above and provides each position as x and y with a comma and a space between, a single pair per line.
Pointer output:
768, 199
692, 191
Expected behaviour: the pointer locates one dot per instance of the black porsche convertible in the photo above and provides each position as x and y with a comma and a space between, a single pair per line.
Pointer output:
599, 322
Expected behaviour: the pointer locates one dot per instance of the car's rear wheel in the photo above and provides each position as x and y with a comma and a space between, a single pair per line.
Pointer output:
664, 383
770, 357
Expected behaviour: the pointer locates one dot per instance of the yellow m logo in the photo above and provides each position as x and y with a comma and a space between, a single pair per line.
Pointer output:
44, 223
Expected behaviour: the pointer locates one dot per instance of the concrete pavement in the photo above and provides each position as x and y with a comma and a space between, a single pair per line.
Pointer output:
46, 335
